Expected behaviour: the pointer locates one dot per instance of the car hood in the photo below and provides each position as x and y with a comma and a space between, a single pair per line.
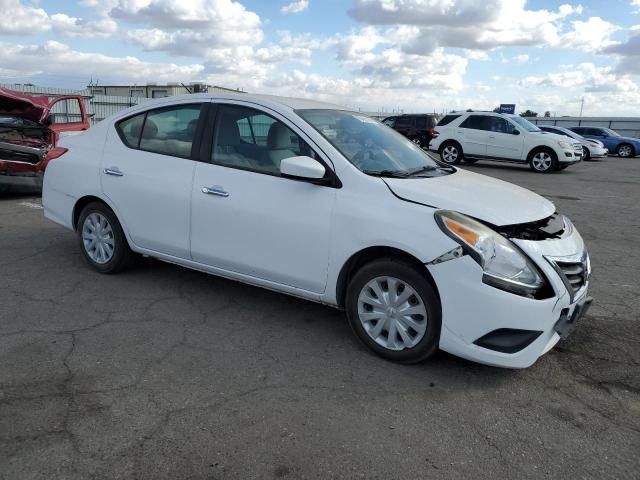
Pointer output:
494, 201
23, 105
626, 139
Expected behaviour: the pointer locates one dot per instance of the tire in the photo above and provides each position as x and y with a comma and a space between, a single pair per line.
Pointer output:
451, 153
625, 150
416, 334
586, 154
543, 160
102, 241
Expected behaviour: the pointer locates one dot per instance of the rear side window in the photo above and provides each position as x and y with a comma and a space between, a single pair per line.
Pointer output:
404, 121
593, 131
421, 122
476, 122
578, 130
168, 131
447, 119
130, 130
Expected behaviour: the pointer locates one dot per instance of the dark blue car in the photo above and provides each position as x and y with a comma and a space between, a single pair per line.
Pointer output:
613, 141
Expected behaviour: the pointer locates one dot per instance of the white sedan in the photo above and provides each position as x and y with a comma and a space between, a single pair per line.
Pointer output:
319, 202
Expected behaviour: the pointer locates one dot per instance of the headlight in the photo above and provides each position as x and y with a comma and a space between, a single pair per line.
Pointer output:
504, 265
565, 145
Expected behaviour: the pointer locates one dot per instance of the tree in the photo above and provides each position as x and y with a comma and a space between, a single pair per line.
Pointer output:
529, 113
496, 110
547, 114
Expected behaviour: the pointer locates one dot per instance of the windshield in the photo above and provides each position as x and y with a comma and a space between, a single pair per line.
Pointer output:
611, 133
368, 144
526, 124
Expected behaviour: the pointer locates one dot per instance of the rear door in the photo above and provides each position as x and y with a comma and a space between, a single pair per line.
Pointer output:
147, 172
474, 135
502, 143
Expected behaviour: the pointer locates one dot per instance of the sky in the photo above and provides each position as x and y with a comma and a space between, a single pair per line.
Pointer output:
377, 55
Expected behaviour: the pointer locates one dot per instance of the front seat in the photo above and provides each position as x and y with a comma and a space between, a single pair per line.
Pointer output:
226, 147
279, 144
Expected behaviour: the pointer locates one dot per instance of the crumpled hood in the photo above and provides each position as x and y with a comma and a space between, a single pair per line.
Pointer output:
23, 105
494, 201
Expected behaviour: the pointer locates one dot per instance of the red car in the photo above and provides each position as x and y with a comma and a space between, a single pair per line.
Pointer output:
29, 131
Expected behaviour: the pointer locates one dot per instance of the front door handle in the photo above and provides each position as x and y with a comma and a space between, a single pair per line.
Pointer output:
215, 190
115, 171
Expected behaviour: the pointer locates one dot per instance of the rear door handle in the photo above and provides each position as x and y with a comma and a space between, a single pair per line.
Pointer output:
115, 171
215, 190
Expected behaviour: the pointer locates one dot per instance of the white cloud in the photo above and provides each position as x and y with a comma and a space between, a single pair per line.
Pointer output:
295, 7
520, 59
636, 5
55, 58
19, 19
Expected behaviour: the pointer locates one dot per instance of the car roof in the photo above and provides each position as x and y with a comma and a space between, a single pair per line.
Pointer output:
289, 102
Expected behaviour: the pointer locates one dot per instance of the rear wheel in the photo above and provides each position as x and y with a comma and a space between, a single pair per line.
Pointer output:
102, 241
625, 150
394, 310
543, 160
451, 153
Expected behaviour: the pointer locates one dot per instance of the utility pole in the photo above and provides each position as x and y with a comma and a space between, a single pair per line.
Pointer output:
581, 106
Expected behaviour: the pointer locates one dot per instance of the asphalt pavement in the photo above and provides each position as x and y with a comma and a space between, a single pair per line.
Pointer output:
166, 373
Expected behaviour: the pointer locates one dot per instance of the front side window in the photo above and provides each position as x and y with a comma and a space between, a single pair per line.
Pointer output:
404, 122
367, 144
391, 121
168, 131
249, 139
500, 125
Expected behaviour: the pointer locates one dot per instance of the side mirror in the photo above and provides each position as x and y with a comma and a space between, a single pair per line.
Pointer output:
515, 132
302, 168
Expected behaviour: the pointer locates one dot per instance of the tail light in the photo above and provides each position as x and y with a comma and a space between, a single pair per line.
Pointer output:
433, 132
55, 152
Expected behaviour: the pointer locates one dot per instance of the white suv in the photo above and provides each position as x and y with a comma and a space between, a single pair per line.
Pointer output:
495, 136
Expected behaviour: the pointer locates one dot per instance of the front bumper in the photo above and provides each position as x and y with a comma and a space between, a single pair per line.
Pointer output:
597, 152
473, 311
570, 156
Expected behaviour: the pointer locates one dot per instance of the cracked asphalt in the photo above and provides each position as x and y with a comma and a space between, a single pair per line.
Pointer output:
167, 373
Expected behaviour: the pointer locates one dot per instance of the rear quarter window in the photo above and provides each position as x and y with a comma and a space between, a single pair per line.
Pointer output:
447, 119
130, 129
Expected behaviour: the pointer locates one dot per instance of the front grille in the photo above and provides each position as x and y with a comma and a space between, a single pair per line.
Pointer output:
574, 272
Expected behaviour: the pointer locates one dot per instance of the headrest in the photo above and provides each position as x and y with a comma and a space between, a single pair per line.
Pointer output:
191, 127
228, 132
150, 129
279, 137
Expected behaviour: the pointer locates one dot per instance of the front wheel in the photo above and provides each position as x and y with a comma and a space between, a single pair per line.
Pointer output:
586, 154
543, 161
102, 241
394, 310
625, 151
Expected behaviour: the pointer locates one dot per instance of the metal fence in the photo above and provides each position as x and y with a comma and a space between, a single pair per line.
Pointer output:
625, 126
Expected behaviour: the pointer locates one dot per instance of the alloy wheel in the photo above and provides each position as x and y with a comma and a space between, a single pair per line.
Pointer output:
392, 313
449, 154
542, 161
624, 151
97, 238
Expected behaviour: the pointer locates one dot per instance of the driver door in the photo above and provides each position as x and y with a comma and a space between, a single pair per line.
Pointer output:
249, 220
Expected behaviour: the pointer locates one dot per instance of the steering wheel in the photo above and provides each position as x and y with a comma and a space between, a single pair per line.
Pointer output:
363, 158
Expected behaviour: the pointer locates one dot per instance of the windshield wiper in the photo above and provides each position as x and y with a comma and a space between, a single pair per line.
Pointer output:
424, 168
386, 173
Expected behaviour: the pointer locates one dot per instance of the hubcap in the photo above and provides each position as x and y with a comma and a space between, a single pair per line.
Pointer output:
624, 151
392, 313
542, 161
449, 154
97, 238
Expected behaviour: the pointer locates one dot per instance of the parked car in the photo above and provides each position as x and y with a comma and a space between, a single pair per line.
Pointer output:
29, 131
333, 207
590, 148
616, 143
418, 127
473, 136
